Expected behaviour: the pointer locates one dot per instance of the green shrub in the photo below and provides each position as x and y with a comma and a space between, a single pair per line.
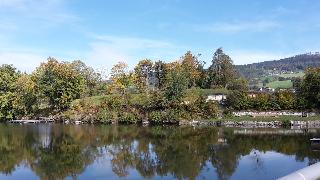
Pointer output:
129, 118
156, 116
105, 116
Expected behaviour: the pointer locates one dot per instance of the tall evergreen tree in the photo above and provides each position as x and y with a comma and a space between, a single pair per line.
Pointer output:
222, 71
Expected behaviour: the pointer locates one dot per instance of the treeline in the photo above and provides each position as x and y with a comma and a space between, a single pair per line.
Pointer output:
53, 86
295, 63
154, 91
157, 91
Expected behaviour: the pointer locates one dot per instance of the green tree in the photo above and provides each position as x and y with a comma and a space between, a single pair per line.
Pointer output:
160, 72
240, 84
92, 79
59, 82
238, 100
222, 71
177, 83
26, 96
143, 73
310, 88
262, 101
8, 77
286, 100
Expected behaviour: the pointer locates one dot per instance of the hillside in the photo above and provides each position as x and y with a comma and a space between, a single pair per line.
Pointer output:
296, 63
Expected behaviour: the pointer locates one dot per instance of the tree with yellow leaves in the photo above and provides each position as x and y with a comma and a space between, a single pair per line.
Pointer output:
121, 78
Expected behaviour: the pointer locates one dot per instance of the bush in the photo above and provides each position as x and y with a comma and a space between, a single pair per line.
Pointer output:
156, 116
105, 116
166, 116
129, 118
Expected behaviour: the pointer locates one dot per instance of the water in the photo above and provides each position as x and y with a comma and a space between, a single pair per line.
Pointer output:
131, 152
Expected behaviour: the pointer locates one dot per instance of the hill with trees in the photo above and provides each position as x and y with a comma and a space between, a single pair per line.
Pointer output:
291, 64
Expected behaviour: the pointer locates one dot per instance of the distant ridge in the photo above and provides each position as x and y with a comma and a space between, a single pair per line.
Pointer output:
295, 63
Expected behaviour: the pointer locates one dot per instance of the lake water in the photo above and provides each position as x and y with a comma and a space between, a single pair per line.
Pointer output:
59, 151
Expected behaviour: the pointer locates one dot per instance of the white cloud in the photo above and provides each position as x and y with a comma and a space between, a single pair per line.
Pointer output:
12, 3
25, 62
103, 56
235, 27
247, 57
45, 11
133, 42
108, 50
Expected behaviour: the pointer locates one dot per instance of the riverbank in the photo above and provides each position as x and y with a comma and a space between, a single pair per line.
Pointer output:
293, 122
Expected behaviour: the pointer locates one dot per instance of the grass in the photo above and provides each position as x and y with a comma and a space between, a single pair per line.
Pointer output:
289, 75
280, 84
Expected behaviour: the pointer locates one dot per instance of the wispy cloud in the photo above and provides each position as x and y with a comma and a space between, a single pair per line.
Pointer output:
107, 50
12, 3
24, 61
133, 42
247, 57
50, 11
236, 27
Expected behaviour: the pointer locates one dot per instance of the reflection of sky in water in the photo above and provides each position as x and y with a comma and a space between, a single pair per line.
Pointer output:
271, 165
256, 165
20, 173
268, 165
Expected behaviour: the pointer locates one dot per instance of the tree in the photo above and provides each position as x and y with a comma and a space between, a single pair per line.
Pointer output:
262, 101
238, 100
59, 82
160, 72
286, 100
240, 84
222, 70
310, 88
143, 72
26, 96
91, 78
8, 77
121, 78
177, 82
191, 65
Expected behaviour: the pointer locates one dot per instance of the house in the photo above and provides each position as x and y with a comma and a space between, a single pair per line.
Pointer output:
216, 97
266, 89
252, 94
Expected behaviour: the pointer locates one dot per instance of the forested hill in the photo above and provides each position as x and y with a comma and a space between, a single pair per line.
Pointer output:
295, 63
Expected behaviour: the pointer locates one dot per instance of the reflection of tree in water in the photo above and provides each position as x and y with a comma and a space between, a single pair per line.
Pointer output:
182, 152
64, 157
257, 160
225, 160
14, 147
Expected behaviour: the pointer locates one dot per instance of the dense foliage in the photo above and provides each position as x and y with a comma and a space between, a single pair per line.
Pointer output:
59, 83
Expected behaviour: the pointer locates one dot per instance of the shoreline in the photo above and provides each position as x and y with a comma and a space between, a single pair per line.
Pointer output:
232, 122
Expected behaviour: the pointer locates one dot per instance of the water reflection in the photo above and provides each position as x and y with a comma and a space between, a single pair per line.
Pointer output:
83, 152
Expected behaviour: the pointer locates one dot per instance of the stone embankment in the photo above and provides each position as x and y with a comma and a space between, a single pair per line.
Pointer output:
254, 124
271, 113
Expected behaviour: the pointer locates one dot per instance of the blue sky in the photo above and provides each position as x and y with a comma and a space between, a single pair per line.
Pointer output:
103, 32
